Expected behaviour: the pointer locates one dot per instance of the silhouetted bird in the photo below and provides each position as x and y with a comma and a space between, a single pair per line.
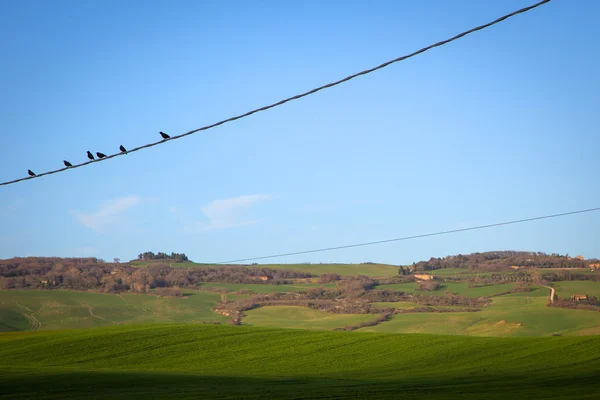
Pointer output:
123, 149
100, 155
90, 156
31, 173
164, 135
67, 164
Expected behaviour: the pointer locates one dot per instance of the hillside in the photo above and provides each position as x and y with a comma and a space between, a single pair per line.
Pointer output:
502, 260
188, 361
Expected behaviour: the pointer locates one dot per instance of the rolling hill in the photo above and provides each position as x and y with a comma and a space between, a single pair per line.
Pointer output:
191, 361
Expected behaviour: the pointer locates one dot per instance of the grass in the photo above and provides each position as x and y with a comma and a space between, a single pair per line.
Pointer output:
374, 270
302, 318
460, 288
512, 315
56, 309
266, 288
566, 289
202, 361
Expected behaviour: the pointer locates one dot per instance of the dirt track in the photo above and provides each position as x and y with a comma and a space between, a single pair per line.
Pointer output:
551, 293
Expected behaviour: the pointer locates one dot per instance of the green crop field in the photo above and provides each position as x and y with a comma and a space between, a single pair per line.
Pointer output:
57, 309
205, 361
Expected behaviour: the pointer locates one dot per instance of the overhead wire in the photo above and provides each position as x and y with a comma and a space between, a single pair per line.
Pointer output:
399, 239
296, 97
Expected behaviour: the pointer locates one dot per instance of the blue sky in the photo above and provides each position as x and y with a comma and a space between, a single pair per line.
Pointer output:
500, 125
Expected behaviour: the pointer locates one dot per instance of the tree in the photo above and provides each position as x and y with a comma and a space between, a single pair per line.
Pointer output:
117, 260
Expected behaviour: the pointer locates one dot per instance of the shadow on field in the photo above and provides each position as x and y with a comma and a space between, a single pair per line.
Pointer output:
45, 384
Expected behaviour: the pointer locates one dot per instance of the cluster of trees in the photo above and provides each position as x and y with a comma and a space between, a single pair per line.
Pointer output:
177, 257
329, 278
352, 296
571, 276
499, 260
428, 286
91, 274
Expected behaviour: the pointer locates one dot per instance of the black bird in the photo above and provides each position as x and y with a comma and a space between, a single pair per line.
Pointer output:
67, 164
100, 155
31, 173
123, 149
164, 135
90, 155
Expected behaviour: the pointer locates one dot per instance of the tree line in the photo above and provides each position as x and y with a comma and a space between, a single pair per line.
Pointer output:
92, 274
177, 257
498, 261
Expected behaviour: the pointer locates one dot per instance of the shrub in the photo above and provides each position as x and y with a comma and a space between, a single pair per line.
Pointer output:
428, 286
328, 278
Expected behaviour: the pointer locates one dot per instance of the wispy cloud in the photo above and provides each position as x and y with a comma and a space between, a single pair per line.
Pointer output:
108, 214
227, 213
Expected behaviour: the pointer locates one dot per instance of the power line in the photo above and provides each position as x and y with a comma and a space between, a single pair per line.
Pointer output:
296, 97
473, 228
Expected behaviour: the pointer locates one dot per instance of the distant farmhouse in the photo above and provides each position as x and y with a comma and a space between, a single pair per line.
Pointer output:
580, 297
424, 277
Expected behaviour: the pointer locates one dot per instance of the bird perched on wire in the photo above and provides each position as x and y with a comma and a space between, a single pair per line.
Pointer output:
90, 156
164, 135
100, 155
123, 149
67, 164
30, 172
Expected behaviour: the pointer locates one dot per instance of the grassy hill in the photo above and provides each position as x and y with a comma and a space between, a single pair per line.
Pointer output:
57, 309
204, 361
566, 289
514, 315
460, 288
374, 270
510, 315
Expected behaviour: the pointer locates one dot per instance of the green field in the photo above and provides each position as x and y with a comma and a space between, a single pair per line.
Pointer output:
510, 315
266, 288
375, 270
207, 361
302, 318
513, 315
57, 309
460, 288
566, 289
451, 271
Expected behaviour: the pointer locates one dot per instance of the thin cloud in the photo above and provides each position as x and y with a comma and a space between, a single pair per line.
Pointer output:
108, 214
228, 213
